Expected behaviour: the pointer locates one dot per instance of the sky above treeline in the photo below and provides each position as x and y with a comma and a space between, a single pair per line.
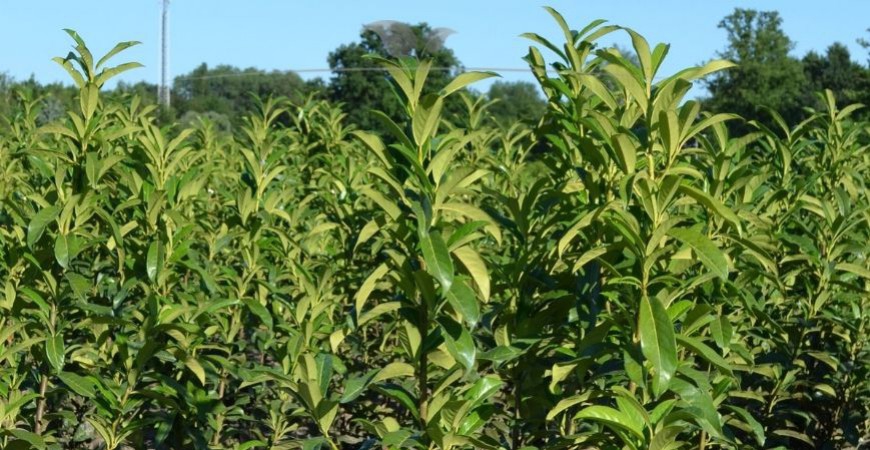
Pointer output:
296, 34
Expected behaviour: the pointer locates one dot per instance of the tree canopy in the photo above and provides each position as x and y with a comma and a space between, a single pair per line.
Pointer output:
358, 82
515, 101
766, 75
232, 91
836, 71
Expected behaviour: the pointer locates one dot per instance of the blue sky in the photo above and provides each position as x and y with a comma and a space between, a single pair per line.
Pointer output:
296, 34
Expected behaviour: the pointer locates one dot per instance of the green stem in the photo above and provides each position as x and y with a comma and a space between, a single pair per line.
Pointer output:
423, 377
516, 435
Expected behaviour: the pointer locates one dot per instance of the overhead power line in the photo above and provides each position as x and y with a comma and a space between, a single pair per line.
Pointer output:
368, 69
358, 69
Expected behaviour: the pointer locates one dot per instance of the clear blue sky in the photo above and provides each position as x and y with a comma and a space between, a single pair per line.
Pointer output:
296, 34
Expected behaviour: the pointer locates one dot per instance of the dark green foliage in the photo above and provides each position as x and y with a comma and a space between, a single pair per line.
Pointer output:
836, 71
232, 92
359, 83
515, 101
766, 75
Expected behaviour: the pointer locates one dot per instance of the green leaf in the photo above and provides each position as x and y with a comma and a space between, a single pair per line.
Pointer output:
459, 342
394, 370
754, 425
704, 351
368, 286
628, 404
721, 330
464, 301
61, 250
54, 351
399, 394
610, 417
795, 435
644, 56
154, 260
476, 267
196, 368
825, 358
665, 438
464, 79
355, 386
439, 264
854, 269
378, 310
426, 119
31, 438
80, 285
704, 248
395, 439
700, 405
388, 206
658, 342
325, 413
712, 204
38, 223
251, 444
826, 389
259, 310
78, 384
502, 353
626, 153
566, 403
482, 390
323, 363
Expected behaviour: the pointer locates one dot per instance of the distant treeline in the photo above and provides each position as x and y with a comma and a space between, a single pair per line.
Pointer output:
768, 77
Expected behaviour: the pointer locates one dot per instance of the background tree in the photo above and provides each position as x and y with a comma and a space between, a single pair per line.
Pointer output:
231, 91
766, 76
515, 101
836, 71
5, 94
358, 82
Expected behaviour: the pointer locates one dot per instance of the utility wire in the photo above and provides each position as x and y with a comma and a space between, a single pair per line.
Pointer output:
367, 69
356, 69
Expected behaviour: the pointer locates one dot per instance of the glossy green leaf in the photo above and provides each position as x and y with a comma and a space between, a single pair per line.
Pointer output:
39, 222
55, 352
463, 299
459, 343
80, 385
62, 250
706, 251
610, 417
658, 342
439, 264
465, 79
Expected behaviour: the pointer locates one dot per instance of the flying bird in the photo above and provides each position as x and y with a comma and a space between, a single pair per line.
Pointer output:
400, 40
436, 38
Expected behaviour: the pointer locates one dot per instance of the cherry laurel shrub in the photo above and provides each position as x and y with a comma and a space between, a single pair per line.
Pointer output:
622, 274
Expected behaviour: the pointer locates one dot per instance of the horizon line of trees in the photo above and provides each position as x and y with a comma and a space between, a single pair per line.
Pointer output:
767, 77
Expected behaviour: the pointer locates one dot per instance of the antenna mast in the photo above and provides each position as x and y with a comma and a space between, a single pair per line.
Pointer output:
163, 92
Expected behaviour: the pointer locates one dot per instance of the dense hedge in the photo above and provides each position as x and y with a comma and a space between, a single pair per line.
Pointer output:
624, 275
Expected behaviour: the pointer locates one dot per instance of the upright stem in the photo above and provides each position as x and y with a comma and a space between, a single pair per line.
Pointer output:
40, 406
423, 377
216, 439
516, 435
43, 383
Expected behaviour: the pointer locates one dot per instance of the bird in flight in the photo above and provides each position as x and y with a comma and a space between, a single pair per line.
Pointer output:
400, 40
